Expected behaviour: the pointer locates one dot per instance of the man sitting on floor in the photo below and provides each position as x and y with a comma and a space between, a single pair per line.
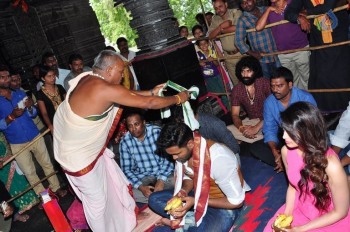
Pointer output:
208, 169
249, 94
146, 170
283, 95
340, 138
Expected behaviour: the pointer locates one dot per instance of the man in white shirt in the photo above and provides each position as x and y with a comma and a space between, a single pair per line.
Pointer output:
208, 169
340, 139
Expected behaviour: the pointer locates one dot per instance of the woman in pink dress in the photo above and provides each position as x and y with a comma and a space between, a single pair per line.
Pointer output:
318, 193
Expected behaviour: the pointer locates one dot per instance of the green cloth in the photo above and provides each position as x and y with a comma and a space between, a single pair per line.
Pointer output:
17, 183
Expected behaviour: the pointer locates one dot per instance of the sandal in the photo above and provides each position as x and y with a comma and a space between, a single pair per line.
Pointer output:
61, 192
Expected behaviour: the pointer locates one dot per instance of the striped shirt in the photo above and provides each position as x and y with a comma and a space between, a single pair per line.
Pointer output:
260, 41
138, 158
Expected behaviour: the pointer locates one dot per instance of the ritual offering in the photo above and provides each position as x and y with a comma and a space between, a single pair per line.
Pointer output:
282, 222
174, 203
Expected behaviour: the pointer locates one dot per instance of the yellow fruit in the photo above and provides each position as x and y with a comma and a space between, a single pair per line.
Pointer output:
278, 220
174, 203
283, 221
177, 203
286, 222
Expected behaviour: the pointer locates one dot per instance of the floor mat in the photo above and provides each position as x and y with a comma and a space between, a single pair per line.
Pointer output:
267, 195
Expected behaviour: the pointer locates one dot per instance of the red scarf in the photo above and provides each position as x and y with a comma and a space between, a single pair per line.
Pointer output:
204, 186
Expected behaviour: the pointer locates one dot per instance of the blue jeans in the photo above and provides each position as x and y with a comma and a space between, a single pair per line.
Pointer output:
269, 69
214, 220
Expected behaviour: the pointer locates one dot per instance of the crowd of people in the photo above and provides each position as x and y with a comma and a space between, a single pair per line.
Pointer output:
274, 119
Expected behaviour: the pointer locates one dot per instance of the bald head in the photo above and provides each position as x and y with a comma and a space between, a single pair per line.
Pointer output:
105, 59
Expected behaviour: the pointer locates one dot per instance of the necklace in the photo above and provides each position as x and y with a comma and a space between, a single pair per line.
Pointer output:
55, 97
251, 99
97, 75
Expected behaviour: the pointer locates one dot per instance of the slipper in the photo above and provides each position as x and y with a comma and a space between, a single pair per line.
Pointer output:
21, 217
61, 192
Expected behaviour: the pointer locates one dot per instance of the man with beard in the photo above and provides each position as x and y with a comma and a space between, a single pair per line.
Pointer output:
76, 65
49, 59
249, 94
283, 95
224, 22
208, 169
16, 113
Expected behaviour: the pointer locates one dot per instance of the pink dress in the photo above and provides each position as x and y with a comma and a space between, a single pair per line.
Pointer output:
304, 209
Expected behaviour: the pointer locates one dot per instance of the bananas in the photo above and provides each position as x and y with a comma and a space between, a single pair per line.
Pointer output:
283, 221
174, 203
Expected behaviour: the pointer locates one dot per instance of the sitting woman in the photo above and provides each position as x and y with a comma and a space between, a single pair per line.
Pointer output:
50, 96
318, 192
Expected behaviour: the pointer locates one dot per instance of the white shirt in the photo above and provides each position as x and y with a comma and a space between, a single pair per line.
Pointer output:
341, 135
62, 74
224, 171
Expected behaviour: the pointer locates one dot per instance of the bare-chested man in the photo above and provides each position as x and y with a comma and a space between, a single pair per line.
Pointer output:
83, 123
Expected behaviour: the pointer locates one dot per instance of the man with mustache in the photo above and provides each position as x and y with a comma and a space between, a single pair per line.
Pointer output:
283, 95
224, 21
249, 94
76, 65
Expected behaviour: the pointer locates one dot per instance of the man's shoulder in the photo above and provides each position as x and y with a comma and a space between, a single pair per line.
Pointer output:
126, 138
239, 86
263, 84
69, 76
300, 94
19, 92
270, 101
152, 129
220, 150
237, 90
63, 72
235, 11
87, 69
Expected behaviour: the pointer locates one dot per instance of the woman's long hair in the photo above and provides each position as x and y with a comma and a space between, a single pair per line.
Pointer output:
305, 125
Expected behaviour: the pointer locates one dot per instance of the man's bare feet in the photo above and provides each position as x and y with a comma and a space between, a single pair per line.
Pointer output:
163, 222
141, 216
61, 192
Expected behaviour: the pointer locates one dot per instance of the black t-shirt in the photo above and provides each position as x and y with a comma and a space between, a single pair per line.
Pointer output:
48, 103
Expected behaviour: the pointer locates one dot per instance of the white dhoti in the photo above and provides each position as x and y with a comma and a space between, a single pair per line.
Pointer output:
108, 206
98, 181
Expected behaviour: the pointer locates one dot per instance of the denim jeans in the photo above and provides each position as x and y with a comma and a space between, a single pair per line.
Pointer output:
220, 220
269, 69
